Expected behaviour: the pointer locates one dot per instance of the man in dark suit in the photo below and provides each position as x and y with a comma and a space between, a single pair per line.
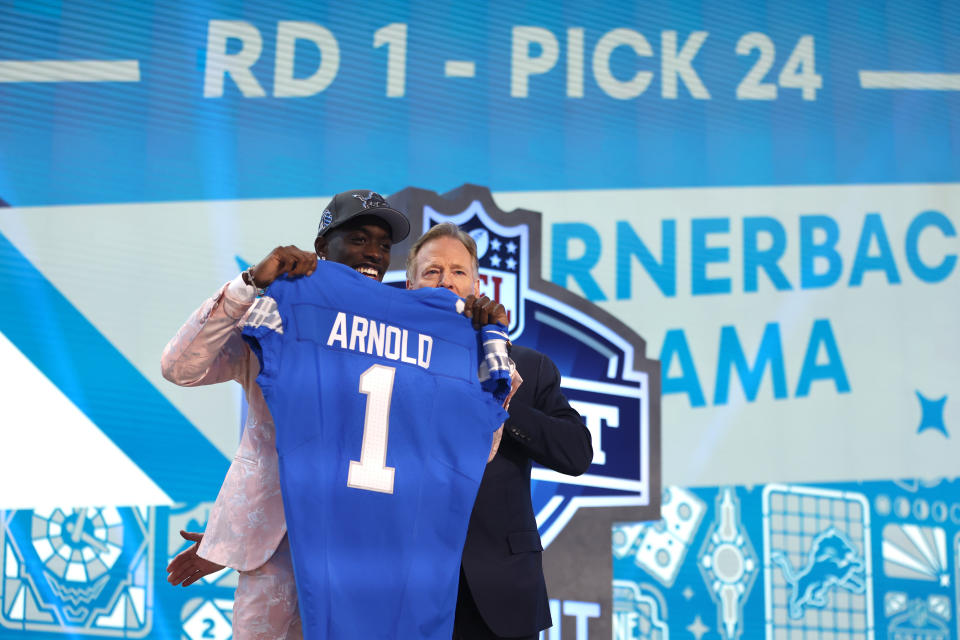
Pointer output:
502, 591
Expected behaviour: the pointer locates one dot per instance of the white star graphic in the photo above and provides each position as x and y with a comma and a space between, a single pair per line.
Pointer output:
697, 628
511, 248
511, 264
495, 260
495, 244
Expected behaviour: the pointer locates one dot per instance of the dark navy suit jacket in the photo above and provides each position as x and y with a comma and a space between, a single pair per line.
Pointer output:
502, 555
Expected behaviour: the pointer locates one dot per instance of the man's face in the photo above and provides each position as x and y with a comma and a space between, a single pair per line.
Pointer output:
445, 262
363, 244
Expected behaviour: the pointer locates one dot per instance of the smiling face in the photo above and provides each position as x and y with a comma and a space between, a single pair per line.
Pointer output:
445, 262
363, 244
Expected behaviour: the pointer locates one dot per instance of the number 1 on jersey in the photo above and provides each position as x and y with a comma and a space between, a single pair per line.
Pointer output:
371, 472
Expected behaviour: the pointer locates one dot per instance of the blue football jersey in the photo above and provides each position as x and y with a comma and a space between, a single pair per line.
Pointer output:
383, 432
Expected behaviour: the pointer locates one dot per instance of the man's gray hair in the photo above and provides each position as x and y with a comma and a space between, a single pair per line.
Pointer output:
442, 230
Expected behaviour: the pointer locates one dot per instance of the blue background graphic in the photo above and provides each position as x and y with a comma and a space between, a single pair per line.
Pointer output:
161, 139
751, 187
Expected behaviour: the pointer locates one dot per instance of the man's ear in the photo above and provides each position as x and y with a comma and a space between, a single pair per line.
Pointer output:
409, 285
476, 287
320, 246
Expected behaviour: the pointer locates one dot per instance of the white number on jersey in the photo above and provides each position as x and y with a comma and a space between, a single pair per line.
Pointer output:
371, 472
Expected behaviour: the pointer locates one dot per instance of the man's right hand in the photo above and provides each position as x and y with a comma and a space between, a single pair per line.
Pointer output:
483, 311
188, 567
284, 260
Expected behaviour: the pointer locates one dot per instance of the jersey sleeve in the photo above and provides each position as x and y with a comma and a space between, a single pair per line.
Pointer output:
496, 367
260, 329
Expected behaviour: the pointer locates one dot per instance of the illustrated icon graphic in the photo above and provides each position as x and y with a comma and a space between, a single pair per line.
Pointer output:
660, 547
817, 563
913, 552
78, 570
728, 564
638, 612
832, 562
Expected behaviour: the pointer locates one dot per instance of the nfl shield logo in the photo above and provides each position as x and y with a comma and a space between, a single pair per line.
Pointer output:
501, 252
605, 374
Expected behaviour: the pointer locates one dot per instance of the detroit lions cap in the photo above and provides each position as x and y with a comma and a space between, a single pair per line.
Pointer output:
361, 202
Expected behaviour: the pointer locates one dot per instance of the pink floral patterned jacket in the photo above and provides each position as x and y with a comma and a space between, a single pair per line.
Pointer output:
247, 521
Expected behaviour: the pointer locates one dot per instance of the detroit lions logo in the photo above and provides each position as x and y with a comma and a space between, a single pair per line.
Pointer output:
831, 562
371, 201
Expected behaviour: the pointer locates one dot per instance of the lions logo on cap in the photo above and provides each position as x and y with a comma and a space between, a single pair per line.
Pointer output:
372, 200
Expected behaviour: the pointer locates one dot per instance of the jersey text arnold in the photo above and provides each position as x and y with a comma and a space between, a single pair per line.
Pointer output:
357, 333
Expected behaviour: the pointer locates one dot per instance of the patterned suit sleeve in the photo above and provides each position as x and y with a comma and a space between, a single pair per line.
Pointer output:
551, 431
208, 348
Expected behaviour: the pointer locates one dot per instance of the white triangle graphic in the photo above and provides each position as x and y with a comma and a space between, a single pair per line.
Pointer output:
16, 611
52, 453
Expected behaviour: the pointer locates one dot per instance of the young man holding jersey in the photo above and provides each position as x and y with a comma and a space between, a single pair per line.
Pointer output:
247, 528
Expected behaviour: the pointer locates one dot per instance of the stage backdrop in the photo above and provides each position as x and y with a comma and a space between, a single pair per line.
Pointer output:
732, 224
